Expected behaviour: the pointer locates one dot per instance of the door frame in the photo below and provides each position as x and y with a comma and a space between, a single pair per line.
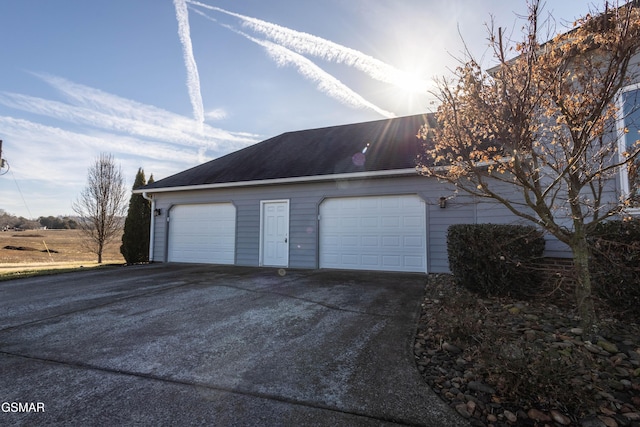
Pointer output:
263, 204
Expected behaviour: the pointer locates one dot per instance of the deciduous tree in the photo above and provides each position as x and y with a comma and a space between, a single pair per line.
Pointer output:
102, 204
544, 123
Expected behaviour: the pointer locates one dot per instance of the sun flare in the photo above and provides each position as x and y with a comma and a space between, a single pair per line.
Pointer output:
413, 83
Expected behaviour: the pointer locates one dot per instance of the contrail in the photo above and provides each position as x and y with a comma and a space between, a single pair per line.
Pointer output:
75, 145
102, 120
121, 119
118, 110
193, 79
308, 44
326, 83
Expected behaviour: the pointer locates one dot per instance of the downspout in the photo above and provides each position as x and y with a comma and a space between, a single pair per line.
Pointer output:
152, 223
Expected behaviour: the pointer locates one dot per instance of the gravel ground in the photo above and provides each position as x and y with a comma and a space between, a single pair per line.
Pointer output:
505, 362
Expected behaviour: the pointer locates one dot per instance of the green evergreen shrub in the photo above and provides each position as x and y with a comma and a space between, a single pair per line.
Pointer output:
615, 263
135, 239
495, 259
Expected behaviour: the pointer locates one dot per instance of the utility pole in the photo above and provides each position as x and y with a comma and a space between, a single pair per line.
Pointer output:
3, 162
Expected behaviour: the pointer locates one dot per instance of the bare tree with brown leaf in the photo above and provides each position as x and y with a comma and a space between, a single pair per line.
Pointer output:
540, 131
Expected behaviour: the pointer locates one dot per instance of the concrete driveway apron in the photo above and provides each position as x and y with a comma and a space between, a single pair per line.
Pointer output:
171, 344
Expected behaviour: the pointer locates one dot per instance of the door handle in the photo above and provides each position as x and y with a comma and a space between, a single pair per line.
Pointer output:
286, 240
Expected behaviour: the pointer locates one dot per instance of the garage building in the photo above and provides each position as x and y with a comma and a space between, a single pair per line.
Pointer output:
341, 197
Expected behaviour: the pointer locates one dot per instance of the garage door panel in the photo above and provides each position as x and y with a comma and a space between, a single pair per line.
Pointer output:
392, 261
414, 261
368, 203
390, 221
349, 222
413, 242
369, 222
413, 221
390, 203
375, 233
390, 242
332, 240
349, 260
202, 233
369, 241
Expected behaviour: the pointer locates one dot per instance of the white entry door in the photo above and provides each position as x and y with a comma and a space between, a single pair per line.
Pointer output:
275, 233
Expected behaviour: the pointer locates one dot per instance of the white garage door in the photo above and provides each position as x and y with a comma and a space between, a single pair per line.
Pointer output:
373, 233
202, 233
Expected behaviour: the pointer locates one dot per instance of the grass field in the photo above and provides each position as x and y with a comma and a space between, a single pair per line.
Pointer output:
66, 249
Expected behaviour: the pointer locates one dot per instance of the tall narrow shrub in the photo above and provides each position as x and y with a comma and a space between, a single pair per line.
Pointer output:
135, 240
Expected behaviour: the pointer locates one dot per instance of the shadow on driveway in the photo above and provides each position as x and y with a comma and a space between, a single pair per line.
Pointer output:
172, 344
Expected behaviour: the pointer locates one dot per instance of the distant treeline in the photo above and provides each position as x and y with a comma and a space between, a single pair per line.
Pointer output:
63, 222
12, 222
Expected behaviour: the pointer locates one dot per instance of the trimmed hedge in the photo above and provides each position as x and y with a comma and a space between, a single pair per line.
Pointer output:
493, 259
615, 263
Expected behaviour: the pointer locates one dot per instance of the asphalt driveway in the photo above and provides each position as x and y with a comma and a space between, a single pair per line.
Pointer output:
170, 344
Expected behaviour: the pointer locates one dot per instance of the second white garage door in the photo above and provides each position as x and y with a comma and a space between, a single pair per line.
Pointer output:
385, 233
202, 233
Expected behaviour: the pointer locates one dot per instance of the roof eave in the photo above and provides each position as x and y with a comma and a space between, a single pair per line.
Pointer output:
280, 181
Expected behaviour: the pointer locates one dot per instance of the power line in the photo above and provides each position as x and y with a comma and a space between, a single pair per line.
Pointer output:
3, 163
21, 195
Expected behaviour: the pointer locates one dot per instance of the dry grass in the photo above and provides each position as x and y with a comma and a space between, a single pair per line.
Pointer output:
67, 249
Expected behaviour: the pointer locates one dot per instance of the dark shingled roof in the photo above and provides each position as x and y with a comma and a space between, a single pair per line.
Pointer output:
390, 144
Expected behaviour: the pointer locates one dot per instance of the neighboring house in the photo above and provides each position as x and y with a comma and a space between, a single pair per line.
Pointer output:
342, 197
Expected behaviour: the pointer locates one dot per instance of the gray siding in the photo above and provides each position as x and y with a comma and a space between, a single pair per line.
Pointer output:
303, 229
247, 229
460, 210
159, 237
305, 199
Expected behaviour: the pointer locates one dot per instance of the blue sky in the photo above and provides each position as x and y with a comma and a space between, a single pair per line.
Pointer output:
166, 85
